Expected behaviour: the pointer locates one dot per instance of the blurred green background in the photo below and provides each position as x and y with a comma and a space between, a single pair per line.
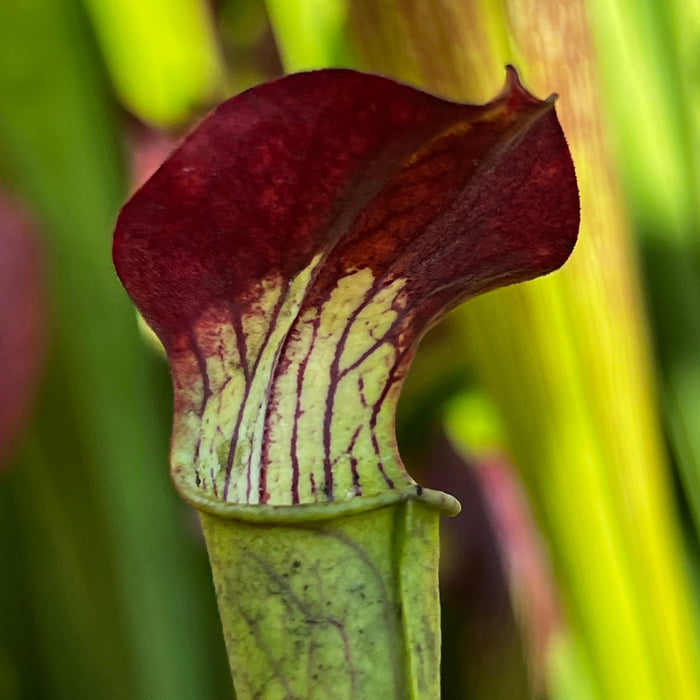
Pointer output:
565, 414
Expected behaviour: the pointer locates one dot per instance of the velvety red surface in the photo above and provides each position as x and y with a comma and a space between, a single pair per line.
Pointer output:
456, 198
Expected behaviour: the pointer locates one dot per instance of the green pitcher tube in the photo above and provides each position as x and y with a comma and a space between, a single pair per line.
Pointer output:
346, 606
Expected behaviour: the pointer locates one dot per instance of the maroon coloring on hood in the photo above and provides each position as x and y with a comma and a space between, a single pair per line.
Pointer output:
456, 198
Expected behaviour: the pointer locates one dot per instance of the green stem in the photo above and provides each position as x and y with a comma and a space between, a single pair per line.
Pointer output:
345, 607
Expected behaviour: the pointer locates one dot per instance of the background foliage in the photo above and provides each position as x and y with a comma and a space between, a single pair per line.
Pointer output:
563, 414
